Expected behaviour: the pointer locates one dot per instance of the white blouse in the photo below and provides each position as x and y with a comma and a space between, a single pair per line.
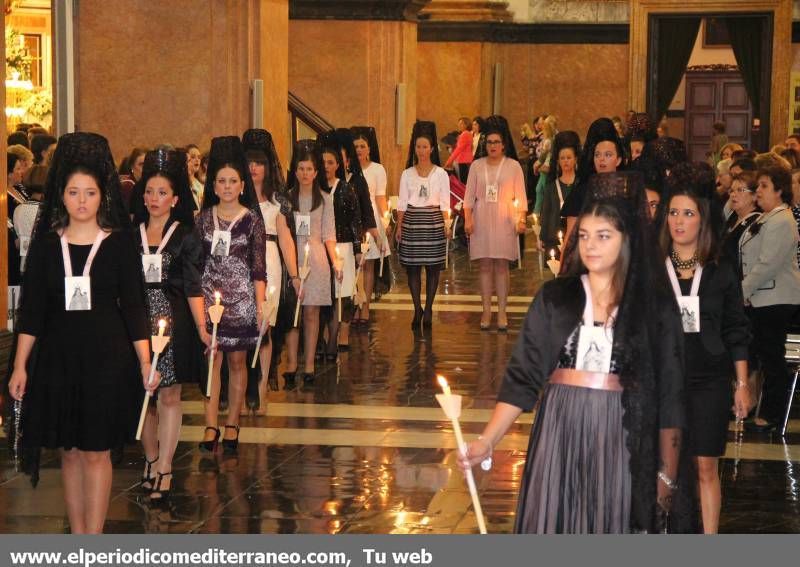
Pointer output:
430, 191
270, 211
376, 179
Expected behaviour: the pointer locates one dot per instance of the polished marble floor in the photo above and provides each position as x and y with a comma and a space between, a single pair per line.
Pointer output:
366, 449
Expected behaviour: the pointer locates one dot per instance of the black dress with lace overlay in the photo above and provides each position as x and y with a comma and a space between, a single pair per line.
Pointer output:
182, 267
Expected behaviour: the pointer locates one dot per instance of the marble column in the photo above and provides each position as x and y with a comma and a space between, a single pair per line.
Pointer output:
273, 69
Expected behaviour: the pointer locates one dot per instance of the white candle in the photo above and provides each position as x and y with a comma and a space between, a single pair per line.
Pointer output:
215, 314
158, 343
452, 407
561, 238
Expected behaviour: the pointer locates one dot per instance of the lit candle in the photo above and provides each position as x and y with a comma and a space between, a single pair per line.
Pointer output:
561, 238
158, 343
553, 264
215, 314
452, 409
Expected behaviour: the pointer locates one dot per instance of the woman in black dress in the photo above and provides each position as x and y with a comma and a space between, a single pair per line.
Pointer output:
172, 259
603, 423
716, 330
347, 217
85, 383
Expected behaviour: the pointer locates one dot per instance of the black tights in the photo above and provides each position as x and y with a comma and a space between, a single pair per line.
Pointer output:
415, 285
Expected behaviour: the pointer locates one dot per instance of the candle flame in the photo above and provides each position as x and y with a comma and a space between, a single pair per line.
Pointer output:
217, 296
162, 324
552, 254
271, 289
442, 381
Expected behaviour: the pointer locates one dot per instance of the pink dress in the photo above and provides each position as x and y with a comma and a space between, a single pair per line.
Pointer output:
494, 234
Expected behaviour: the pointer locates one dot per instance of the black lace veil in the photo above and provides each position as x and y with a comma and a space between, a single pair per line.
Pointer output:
259, 147
90, 152
368, 133
170, 164
427, 129
500, 124
228, 151
562, 140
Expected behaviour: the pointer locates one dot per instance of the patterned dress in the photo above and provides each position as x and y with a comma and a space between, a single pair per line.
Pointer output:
233, 276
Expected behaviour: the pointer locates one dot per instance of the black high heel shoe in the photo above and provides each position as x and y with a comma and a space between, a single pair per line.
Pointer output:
427, 319
210, 446
148, 478
159, 495
231, 446
417, 318
308, 378
291, 383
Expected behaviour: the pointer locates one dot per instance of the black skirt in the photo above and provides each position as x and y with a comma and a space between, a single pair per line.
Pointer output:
422, 237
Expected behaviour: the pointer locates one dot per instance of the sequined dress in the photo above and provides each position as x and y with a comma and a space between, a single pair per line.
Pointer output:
181, 267
233, 276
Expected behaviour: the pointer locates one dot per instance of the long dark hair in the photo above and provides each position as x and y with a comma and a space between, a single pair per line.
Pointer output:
692, 180
171, 165
306, 150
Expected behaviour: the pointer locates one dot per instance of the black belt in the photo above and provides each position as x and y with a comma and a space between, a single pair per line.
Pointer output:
272, 237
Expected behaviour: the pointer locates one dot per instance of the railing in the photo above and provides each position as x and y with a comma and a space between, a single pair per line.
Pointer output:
305, 122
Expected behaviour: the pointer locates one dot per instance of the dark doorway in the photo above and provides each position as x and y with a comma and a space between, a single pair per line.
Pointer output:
759, 136
715, 97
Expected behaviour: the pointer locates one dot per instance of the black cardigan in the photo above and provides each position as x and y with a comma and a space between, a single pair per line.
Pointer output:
553, 315
724, 327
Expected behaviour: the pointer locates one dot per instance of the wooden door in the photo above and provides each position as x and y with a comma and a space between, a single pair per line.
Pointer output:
713, 96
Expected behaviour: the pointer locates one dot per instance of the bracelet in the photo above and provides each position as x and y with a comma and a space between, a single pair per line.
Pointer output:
742, 384
671, 484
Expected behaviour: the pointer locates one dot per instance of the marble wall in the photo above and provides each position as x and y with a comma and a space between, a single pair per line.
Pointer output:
577, 83
175, 72
348, 72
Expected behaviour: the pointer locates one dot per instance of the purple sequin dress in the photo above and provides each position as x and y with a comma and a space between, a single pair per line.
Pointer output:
233, 276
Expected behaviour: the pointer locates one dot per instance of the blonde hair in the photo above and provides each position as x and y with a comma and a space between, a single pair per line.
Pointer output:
724, 166
769, 159
21, 152
527, 131
733, 147
549, 128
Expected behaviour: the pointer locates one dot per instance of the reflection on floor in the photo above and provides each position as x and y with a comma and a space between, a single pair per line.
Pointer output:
366, 449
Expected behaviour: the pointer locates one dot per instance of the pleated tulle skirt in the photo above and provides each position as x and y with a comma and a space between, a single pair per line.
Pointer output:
577, 478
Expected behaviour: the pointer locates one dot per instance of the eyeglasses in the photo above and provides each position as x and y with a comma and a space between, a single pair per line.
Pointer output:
739, 190
493, 142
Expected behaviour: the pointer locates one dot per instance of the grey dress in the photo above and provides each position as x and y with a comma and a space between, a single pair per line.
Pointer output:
317, 287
